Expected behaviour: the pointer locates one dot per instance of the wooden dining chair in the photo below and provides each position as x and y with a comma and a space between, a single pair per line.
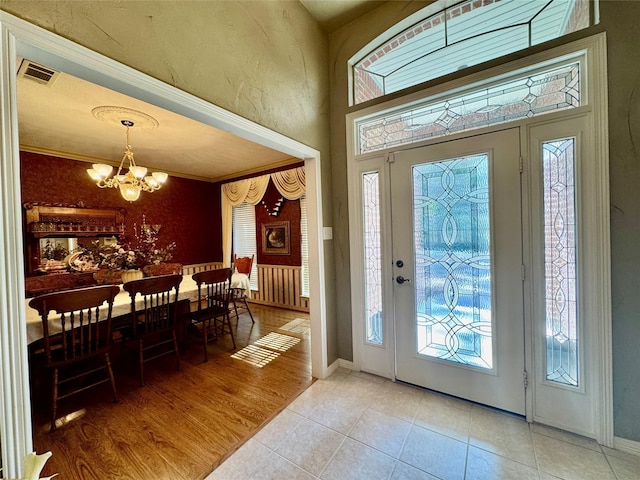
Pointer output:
211, 317
243, 266
154, 318
78, 355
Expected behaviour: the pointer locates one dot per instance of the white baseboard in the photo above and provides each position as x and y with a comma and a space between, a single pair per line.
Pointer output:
339, 363
624, 445
347, 364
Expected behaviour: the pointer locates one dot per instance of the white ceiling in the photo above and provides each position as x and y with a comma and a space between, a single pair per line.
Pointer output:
56, 119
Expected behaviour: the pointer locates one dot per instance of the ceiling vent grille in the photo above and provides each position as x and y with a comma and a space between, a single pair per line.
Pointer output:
37, 73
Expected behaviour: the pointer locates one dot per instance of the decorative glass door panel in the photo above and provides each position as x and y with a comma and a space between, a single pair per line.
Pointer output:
453, 260
457, 256
560, 261
373, 258
566, 314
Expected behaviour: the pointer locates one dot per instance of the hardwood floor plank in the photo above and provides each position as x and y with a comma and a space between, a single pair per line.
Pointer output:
181, 424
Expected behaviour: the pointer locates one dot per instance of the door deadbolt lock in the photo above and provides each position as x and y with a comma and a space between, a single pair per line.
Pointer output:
400, 279
399, 264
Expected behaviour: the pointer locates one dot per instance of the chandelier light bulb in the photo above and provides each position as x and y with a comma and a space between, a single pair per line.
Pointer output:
131, 179
94, 175
129, 192
160, 177
151, 181
102, 169
138, 172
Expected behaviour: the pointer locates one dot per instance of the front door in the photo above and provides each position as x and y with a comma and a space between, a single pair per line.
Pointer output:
457, 262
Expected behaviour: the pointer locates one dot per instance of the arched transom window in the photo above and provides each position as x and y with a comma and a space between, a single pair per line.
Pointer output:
461, 35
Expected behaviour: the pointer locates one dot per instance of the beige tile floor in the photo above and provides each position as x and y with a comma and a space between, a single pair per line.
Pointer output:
355, 426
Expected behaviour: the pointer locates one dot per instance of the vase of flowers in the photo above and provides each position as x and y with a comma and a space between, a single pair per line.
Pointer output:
147, 248
120, 261
131, 274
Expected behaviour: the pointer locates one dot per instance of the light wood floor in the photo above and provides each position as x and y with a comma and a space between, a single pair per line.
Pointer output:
181, 424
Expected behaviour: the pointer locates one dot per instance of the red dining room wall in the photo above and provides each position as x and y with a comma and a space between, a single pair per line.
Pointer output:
290, 213
188, 210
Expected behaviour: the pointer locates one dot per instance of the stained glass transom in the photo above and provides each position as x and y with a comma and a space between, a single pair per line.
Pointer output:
523, 97
560, 261
453, 260
466, 33
372, 258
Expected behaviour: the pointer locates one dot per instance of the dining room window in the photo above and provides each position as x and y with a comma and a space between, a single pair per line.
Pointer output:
304, 248
244, 237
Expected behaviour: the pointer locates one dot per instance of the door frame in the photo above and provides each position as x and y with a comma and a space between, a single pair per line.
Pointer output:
594, 50
21, 38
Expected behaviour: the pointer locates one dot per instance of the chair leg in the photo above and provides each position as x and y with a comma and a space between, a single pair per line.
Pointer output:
185, 337
228, 319
205, 327
175, 347
235, 308
107, 360
248, 309
54, 399
141, 362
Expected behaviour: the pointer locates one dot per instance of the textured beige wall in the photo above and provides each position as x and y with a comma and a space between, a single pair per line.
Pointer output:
343, 44
619, 19
266, 61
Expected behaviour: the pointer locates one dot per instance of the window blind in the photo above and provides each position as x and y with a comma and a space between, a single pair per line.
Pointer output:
305, 245
244, 237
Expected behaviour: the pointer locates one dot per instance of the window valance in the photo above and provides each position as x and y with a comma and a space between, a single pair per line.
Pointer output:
290, 183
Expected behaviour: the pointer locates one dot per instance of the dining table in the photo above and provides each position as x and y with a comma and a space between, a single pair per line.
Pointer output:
188, 292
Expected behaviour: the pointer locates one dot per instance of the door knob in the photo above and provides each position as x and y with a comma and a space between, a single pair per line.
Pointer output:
400, 279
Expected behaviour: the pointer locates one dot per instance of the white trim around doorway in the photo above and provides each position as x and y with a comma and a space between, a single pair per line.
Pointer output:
20, 38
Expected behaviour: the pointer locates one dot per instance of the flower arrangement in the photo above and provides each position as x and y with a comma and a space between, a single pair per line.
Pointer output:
123, 255
53, 250
147, 245
115, 257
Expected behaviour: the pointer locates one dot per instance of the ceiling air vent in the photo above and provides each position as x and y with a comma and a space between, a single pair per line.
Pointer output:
37, 73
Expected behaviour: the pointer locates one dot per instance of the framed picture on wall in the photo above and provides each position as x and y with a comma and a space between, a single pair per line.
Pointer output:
276, 238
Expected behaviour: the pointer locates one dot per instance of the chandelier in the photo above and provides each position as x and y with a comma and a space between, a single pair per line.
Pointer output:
130, 179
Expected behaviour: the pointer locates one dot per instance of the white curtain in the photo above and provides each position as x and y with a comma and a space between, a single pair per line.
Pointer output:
251, 191
290, 184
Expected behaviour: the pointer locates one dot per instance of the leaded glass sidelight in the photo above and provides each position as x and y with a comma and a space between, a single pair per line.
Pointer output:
372, 258
452, 237
561, 317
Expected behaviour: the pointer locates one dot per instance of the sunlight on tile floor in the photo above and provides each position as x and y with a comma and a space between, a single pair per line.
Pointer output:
355, 426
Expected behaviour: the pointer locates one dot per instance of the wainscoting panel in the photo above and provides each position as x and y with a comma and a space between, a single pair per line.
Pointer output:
278, 285
200, 267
